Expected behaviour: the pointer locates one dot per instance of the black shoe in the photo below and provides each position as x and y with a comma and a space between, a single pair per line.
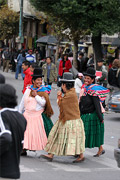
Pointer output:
97, 155
79, 161
24, 153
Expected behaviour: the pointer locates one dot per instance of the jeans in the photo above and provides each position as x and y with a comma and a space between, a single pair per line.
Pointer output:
18, 70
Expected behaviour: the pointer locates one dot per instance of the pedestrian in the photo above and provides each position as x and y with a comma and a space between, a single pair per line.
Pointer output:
80, 62
6, 60
103, 79
12, 127
90, 62
78, 83
64, 66
2, 79
14, 55
92, 111
21, 57
35, 101
49, 71
30, 56
112, 78
67, 135
28, 73
33, 66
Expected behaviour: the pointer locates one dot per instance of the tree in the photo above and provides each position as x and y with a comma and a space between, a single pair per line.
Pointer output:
3, 2
96, 16
9, 23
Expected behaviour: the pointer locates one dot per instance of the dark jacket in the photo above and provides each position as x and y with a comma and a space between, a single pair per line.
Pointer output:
7, 55
11, 137
89, 104
112, 79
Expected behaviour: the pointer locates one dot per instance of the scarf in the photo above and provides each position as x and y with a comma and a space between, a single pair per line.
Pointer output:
42, 88
96, 90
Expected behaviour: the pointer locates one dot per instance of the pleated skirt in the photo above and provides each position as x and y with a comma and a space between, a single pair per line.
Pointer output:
48, 124
94, 130
66, 139
35, 136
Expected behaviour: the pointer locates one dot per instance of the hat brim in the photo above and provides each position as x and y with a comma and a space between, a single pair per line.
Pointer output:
66, 80
37, 75
86, 74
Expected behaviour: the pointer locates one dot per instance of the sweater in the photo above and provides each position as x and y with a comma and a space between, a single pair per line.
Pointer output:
27, 79
89, 104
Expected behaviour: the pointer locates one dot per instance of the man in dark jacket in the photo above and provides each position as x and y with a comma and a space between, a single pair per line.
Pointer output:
12, 128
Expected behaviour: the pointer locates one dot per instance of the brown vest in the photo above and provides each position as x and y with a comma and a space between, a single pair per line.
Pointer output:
69, 108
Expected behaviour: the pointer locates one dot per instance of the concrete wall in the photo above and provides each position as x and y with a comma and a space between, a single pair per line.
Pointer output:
27, 8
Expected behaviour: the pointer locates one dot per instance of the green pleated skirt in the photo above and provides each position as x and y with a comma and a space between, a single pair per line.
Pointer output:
94, 130
48, 124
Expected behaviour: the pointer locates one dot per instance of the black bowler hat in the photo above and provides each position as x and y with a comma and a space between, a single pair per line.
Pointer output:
2, 79
37, 73
100, 60
90, 72
67, 77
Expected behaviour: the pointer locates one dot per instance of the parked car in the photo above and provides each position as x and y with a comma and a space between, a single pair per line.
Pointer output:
117, 154
114, 102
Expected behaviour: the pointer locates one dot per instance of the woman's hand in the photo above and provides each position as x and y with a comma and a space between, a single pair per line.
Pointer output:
34, 93
59, 93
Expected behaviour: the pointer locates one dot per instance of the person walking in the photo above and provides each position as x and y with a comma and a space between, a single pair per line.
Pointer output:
112, 76
67, 135
21, 57
12, 128
78, 83
103, 79
28, 73
6, 60
64, 65
49, 71
30, 57
34, 102
91, 98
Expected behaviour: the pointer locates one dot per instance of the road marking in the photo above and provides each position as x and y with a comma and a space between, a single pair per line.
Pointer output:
26, 169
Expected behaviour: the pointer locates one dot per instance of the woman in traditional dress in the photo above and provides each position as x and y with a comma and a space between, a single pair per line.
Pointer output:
67, 135
35, 101
91, 98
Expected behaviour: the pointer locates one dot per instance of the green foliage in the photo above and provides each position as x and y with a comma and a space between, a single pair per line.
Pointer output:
99, 16
8, 23
2, 2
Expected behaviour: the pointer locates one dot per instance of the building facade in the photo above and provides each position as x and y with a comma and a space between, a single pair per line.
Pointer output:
32, 26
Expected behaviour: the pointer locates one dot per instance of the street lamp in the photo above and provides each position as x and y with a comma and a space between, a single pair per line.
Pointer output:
21, 23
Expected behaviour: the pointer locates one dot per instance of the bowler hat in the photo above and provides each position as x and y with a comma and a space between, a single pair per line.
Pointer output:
90, 72
67, 77
100, 60
37, 72
2, 79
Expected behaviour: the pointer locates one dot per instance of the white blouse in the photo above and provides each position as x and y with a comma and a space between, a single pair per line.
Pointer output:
78, 85
40, 102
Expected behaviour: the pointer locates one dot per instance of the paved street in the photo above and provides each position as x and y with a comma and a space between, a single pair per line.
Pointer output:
104, 167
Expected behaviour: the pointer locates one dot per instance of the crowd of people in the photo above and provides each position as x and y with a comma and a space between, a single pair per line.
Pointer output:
81, 103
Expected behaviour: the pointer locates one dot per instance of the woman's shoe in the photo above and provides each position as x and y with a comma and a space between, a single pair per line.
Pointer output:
24, 153
79, 161
47, 158
99, 154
